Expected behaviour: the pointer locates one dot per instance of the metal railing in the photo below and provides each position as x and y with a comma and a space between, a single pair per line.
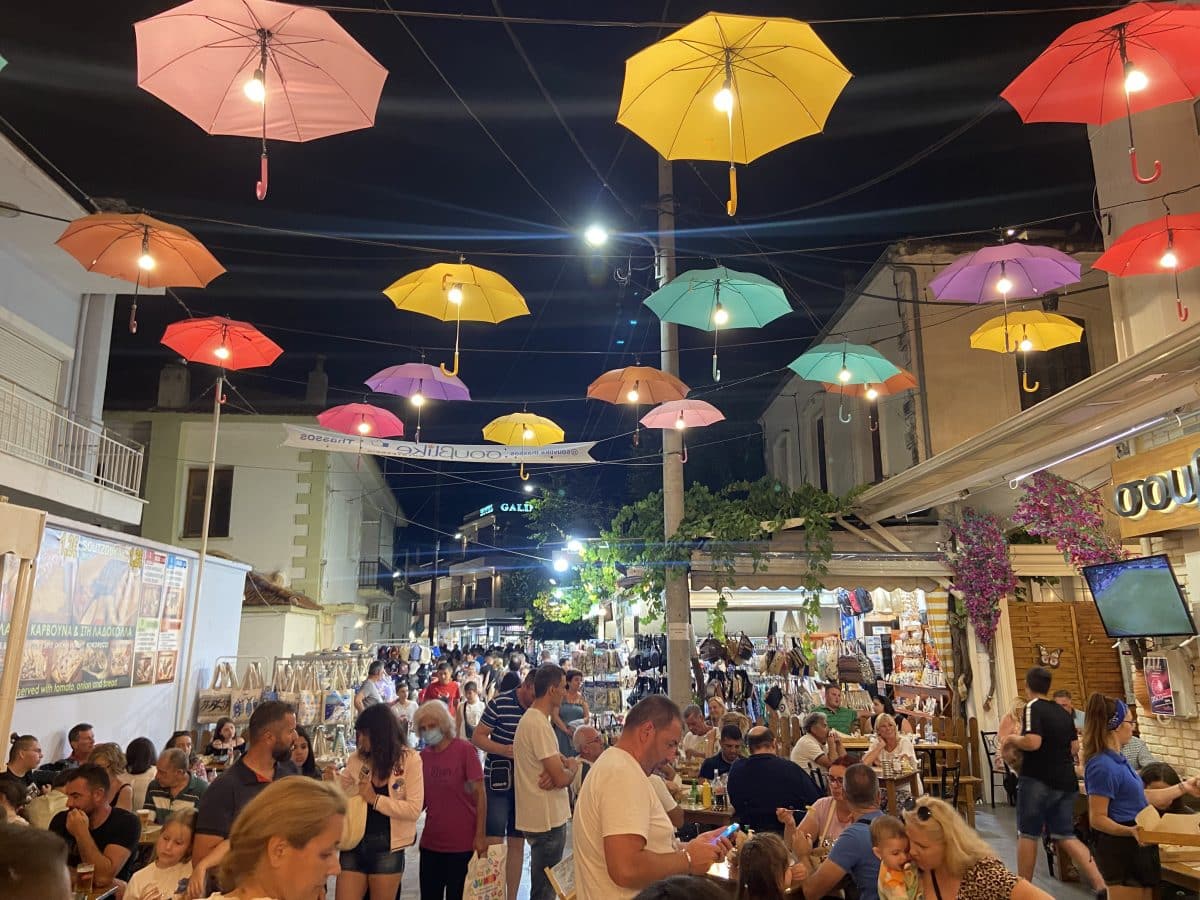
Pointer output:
376, 574
40, 431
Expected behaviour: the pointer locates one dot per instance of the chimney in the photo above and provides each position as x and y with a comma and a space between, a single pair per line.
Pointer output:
317, 392
174, 387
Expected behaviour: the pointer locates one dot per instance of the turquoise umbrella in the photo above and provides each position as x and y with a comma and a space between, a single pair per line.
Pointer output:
712, 299
843, 364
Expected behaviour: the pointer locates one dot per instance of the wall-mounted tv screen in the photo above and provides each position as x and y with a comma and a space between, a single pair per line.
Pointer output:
1139, 598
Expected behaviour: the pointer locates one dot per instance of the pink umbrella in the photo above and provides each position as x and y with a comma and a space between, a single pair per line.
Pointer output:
362, 419
258, 68
682, 414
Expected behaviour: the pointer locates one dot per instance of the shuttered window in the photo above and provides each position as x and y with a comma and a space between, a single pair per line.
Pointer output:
29, 365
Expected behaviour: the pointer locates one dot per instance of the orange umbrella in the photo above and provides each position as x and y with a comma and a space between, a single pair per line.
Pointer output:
139, 248
897, 384
637, 385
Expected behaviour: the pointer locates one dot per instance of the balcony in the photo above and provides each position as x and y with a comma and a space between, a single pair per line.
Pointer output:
49, 454
376, 575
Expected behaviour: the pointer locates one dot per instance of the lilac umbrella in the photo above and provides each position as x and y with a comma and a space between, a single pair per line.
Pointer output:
411, 379
1005, 272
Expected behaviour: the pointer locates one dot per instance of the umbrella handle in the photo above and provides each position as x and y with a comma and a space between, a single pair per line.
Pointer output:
133, 317
844, 419
1181, 310
1026, 386
1133, 165
524, 477
874, 425
260, 190
731, 206
716, 373
450, 372
683, 455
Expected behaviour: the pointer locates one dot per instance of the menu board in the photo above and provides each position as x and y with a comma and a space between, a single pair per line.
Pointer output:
105, 614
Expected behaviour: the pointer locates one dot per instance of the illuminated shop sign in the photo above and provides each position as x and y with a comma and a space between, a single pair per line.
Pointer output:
1158, 490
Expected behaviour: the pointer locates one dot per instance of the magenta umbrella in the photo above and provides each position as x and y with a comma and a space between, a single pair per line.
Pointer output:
258, 68
1005, 272
682, 414
361, 419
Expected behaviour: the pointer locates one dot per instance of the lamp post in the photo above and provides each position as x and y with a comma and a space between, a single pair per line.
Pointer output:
677, 602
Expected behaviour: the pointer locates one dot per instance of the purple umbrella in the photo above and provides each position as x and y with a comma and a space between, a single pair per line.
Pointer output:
413, 379
1005, 272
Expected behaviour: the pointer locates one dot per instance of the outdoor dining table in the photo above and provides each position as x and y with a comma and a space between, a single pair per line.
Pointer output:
699, 815
946, 748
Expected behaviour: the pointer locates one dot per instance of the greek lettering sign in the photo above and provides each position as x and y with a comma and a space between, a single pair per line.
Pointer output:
319, 439
1158, 490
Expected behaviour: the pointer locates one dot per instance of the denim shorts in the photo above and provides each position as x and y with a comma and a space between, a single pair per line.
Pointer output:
502, 814
373, 856
1041, 809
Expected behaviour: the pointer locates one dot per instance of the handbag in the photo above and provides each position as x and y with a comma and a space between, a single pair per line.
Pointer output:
354, 826
863, 601
215, 702
711, 649
245, 700
286, 689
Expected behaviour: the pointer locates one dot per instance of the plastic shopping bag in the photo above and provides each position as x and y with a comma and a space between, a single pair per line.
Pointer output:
485, 876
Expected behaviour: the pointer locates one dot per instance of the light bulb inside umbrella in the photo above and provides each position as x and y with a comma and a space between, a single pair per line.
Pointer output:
221, 352
1004, 285
679, 423
723, 99
364, 427
255, 89
417, 399
632, 395
720, 314
1135, 79
527, 487
527, 434
455, 294
1168, 260
844, 375
872, 393
1025, 346
146, 261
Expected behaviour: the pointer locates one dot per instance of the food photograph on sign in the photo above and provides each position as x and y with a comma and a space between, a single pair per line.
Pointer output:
1158, 684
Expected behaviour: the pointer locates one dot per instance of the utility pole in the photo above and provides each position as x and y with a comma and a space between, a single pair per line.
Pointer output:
437, 551
677, 600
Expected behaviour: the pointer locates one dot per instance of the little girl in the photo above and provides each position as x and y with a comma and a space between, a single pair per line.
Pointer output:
167, 875
763, 870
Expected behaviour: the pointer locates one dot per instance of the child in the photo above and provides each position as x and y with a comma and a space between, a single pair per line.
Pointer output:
12, 801
172, 864
763, 871
898, 880
470, 710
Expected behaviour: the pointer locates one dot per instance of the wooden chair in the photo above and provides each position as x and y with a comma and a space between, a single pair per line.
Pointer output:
562, 878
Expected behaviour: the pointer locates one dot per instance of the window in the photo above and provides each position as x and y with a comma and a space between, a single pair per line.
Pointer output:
222, 498
1053, 370
822, 464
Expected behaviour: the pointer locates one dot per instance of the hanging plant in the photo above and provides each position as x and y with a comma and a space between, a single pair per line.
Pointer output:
982, 570
1070, 516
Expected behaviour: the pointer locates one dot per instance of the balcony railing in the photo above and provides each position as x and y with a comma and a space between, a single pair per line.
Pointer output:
376, 574
37, 430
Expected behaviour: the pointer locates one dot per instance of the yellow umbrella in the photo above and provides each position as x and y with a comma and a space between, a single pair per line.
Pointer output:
457, 291
523, 429
731, 88
1026, 331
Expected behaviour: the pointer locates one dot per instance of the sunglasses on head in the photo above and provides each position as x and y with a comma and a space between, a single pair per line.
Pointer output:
923, 813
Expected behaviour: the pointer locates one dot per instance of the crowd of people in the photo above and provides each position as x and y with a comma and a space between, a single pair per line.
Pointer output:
497, 753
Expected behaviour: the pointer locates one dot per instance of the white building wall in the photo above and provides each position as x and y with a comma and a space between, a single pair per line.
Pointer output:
272, 633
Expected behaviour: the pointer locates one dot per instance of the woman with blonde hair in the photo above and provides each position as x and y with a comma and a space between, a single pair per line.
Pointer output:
894, 750
1115, 796
284, 843
111, 758
954, 862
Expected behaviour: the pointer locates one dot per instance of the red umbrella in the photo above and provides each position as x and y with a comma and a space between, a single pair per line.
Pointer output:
362, 419
1167, 244
1140, 57
259, 68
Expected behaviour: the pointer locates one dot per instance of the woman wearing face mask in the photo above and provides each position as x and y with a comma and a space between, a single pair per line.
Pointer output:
455, 804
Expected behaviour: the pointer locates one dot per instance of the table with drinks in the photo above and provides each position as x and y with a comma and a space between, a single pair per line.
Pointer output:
83, 885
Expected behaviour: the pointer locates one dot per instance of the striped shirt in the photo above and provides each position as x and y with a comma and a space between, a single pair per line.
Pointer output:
502, 716
159, 799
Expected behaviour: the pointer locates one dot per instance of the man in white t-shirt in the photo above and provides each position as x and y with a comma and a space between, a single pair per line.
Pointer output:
820, 745
542, 777
700, 738
623, 839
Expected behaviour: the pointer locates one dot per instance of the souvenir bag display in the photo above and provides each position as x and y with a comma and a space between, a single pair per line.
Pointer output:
310, 700
216, 701
867, 675
247, 697
844, 602
796, 663
862, 602
338, 697
286, 689
711, 649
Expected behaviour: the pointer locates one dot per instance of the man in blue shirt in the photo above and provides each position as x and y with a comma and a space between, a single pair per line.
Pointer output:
731, 752
765, 782
852, 854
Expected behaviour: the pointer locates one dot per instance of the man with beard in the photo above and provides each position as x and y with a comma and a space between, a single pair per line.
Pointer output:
269, 738
623, 839
95, 831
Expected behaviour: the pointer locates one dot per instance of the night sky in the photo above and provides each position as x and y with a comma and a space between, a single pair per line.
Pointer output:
426, 176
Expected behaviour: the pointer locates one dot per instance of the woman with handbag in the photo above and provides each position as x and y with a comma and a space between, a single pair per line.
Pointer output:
384, 779
824, 822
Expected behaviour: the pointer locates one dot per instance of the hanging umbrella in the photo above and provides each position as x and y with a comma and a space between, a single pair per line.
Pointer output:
1026, 331
1167, 244
258, 68
418, 382
1013, 271
681, 415
637, 385
230, 346
844, 364
523, 429
1140, 57
712, 299
457, 291
771, 81
361, 419
897, 384
139, 248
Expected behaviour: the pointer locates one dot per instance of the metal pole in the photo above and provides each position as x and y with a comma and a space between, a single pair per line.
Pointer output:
433, 592
182, 720
677, 600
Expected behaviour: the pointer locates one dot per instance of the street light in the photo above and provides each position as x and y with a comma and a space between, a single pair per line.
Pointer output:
561, 564
574, 545
596, 235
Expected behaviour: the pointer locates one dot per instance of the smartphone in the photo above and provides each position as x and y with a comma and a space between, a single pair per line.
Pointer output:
730, 831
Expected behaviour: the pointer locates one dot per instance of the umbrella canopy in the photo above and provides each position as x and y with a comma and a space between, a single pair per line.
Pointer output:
362, 419
1025, 330
1005, 272
139, 248
1139, 57
681, 414
729, 87
259, 68
223, 342
457, 292
411, 379
523, 429
897, 384
637, 384
1167, 244
843, 364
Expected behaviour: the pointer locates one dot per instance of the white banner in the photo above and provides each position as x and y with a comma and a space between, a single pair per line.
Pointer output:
319, 439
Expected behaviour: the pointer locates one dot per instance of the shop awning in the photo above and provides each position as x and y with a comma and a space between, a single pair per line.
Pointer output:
1135, 392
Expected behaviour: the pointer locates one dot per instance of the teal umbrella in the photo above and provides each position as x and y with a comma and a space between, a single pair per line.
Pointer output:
843, 364
712, 299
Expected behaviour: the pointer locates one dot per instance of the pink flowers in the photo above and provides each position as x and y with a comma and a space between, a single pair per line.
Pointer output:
1061, 511
982, 570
